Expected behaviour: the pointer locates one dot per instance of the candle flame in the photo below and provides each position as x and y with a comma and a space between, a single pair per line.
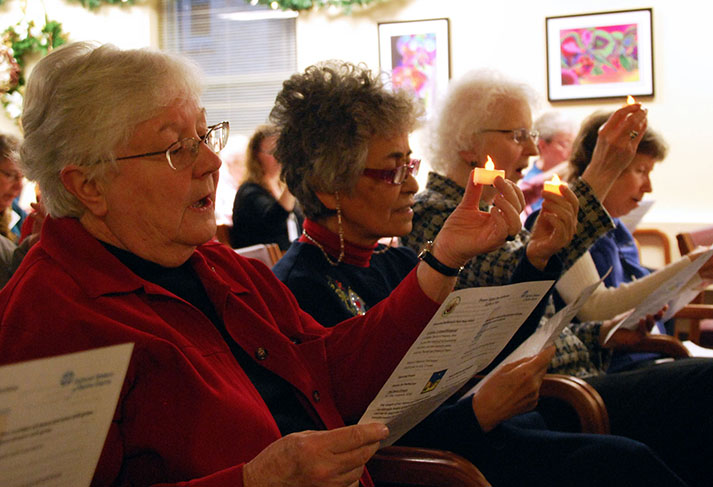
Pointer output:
555, 179
489, 164
630, 100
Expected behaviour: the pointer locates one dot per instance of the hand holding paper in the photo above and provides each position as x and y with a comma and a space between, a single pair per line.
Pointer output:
511, 390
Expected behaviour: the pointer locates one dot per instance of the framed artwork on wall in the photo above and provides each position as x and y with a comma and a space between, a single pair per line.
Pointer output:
417, 54
600, 55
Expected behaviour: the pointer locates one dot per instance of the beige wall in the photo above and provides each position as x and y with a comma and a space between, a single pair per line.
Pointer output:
509, 36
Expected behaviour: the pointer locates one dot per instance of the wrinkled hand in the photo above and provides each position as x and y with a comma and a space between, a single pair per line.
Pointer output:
623, 338
333, 458
511, 390
468, 231
615, 149
554, 228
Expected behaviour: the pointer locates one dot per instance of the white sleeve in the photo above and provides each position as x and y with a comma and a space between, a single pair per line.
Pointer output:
605, 303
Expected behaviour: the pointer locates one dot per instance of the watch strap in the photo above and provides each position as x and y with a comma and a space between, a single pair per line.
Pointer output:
426, 256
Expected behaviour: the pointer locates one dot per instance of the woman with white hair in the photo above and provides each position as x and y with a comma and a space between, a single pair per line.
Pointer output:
556, 133
230, 382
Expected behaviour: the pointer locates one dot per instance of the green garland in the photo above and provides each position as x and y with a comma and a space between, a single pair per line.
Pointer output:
18, 42
345, 5
95, 4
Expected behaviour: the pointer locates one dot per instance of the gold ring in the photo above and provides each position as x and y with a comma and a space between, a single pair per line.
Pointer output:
633, 134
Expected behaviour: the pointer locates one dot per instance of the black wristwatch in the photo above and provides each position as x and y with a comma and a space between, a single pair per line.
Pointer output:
426, 256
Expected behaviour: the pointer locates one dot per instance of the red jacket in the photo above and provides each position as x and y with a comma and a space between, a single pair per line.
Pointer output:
187, 411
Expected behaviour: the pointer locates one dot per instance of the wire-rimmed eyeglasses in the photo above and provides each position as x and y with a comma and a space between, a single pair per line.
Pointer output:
518, 135
183, 153
397, 175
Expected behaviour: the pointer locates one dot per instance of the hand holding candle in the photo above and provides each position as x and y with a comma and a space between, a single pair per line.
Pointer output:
553, 185
487, 174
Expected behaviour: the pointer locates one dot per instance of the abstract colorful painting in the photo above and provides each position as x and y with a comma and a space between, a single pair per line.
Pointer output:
416, 54
600, 55
606, 54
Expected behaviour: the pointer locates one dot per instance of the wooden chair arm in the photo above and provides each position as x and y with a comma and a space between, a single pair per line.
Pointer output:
400, 466
663, 344
695, 312
582, 397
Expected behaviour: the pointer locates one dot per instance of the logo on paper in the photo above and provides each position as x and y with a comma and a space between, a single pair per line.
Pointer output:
434, 380
451, 306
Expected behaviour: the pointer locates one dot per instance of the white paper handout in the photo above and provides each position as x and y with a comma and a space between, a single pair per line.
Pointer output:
55, 414
632, 219
546, 334
467, 332
664, 295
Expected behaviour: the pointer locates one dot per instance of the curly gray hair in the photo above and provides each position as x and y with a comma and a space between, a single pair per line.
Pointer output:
83, 101
327, 117
468, 107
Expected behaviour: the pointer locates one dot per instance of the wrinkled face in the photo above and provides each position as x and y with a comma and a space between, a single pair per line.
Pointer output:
555, 150
152, 208
507, 154
376, 208
10, 182
631, 186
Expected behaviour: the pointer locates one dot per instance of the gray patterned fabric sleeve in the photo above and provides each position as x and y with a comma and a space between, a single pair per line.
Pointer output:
579, 352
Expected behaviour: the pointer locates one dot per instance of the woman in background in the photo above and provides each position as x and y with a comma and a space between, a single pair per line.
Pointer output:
10, 188
264, 210
629, 282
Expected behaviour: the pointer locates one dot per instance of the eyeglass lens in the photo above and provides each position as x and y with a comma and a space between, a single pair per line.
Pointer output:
184, 152
521, 135
402, 172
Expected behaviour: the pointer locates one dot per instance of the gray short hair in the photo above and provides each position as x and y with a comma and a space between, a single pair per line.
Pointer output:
9, 145
327, 116
468, 106
554, 122
83, 101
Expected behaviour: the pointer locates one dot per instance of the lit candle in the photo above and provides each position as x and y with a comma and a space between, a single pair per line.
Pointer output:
630, 100
487, 174
553, 185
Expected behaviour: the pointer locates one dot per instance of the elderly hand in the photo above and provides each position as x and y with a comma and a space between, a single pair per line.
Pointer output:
616, 146
511, 390
333, 458
554, 228
626, 338
468, 231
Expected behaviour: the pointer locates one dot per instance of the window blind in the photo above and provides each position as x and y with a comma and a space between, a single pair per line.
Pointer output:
245, 52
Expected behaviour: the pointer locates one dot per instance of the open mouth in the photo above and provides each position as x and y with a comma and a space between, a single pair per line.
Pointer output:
202, 203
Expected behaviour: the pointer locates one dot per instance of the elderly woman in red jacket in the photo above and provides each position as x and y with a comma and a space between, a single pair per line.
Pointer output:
230, 383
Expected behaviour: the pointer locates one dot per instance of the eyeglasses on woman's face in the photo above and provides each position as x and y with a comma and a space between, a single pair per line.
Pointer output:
518, 135
183, 153
397, 175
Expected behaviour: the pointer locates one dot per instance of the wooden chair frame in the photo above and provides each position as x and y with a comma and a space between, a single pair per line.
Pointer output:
697, 310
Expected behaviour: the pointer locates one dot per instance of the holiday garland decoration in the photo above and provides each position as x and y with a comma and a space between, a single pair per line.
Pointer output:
19, 42
298, 5
95, 4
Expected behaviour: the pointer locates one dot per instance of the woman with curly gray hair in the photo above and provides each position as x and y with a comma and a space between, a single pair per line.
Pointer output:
358, 186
